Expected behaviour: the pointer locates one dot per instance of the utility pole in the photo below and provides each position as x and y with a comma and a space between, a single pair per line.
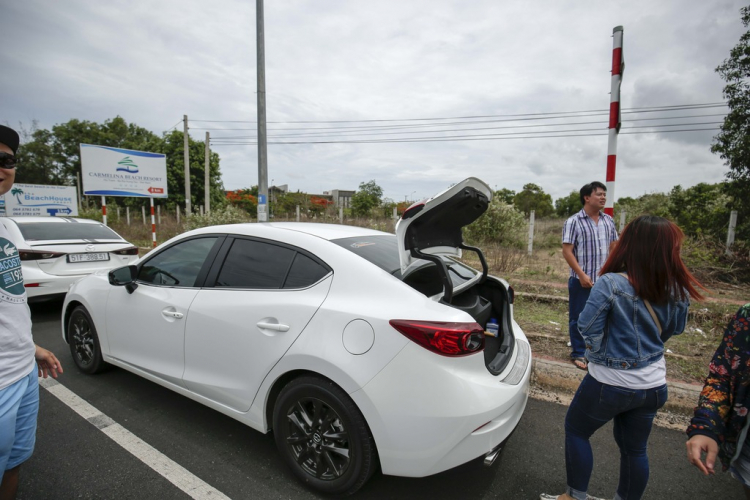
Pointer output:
207, 168
262, 146
188, 209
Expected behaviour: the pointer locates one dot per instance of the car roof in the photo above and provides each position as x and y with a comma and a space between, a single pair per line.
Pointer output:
54, 220
320, 230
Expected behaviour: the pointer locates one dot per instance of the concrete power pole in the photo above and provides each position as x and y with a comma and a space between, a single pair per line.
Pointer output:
188, 208
207, 168
262, 146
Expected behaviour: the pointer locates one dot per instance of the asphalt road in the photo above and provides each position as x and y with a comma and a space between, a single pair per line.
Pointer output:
75, 460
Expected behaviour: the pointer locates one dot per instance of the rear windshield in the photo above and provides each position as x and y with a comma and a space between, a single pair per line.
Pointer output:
43, 231
383, 252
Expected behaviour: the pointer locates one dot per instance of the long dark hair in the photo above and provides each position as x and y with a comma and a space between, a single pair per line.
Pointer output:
649, 252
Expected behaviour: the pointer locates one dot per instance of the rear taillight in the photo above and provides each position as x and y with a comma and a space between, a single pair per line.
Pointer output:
38, 255
447, 339
127, 251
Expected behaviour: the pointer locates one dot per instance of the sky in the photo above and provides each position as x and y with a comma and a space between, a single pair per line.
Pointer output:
341, 64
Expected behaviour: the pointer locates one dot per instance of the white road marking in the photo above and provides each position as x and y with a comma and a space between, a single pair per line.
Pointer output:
170, 470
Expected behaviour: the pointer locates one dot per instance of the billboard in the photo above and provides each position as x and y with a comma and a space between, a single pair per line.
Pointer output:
37, 199
123, 172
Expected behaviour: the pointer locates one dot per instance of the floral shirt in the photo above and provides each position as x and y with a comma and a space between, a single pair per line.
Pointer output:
724, 402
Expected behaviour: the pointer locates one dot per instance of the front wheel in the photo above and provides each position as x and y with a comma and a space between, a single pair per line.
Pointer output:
323, 437
84, 342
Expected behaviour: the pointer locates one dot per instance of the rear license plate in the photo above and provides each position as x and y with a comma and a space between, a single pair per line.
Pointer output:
87, 257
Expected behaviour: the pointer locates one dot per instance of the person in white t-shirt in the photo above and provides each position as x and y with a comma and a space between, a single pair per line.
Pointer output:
19, 356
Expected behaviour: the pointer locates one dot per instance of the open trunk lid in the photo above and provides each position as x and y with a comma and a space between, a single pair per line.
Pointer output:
432, 228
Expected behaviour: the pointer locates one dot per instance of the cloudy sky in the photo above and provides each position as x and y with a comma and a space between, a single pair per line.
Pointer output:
337, 65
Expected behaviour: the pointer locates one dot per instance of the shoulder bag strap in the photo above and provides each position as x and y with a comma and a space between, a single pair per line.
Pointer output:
650, 309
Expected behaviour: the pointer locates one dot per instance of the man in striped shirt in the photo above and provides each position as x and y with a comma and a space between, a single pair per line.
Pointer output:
588, 236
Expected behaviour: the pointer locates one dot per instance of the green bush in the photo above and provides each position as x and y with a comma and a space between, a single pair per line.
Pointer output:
501, 224
225, 215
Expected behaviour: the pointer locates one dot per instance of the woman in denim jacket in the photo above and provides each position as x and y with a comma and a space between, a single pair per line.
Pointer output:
625, 352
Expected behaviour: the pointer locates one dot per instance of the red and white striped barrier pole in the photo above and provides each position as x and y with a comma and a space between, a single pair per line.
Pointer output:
104, 210
618, 65
153, 223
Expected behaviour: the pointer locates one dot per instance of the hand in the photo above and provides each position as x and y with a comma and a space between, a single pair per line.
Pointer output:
698, 444
585, 280
47, 363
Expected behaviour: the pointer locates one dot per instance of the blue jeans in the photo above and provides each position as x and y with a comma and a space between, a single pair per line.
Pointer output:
633, 411
577, 297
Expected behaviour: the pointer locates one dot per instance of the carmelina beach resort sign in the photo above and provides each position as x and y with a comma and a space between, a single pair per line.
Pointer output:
123, 172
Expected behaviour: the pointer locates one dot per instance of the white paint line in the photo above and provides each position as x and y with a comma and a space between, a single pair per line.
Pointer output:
170, 470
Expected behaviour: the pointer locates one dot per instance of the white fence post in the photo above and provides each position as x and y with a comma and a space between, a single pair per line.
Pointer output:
143, 213
297, 213
730, 233
341, 215
178, 214
531, 231
158, 214
622, 220
127, 214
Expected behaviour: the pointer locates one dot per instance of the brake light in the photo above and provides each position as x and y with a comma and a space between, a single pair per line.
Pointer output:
127, 251
38, 255
413, 210
446, 339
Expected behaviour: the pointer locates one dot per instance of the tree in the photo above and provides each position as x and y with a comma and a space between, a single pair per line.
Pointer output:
505, 195
501, 224
701, 209
732, 144
366, 198
567, 206
533, 197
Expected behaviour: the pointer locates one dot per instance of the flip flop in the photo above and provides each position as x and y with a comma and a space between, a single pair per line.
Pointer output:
580, 363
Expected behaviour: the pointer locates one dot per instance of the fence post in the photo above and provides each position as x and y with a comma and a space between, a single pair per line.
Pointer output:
127, 214
158, 214
118, 213
201, 210
178, 214
143, 212
297, 213
730, 233
531, 231
622, 220
341, 215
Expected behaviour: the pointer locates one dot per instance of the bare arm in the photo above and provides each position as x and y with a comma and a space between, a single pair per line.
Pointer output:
567, 250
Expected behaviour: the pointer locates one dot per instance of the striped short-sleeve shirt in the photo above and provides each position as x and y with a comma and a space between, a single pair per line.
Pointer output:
590, 241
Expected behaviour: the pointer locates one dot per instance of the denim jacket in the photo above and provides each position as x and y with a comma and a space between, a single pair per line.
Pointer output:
619, 331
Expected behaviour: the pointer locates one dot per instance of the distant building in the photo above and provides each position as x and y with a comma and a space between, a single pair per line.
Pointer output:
342, 198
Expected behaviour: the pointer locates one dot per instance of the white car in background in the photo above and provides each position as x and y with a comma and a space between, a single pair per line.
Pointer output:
55, 252
359, 349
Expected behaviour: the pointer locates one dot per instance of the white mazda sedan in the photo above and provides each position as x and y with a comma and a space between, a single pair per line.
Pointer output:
58, 251
359, 349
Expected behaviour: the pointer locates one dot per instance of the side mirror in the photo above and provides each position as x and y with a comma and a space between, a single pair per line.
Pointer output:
124, 276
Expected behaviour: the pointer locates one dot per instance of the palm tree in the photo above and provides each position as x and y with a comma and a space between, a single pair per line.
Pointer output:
17, 192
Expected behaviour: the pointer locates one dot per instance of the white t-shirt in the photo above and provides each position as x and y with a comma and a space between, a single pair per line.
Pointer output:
648, 377
16, 344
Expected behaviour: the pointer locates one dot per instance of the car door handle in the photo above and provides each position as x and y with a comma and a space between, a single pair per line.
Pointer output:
277, 327
172, 314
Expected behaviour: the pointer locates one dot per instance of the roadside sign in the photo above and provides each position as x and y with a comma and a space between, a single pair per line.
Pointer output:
123, 172
37, 199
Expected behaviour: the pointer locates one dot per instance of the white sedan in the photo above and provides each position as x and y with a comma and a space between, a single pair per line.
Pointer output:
55, 252
359, 349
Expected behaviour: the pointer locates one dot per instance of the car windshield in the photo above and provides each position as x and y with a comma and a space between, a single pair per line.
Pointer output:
49, 231
383, 252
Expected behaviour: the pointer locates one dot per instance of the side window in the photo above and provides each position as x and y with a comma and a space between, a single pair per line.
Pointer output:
178, 265
304, 272
256, 265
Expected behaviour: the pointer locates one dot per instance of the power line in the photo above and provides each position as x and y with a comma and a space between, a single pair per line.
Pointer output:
467, 138
655, 108
353, 133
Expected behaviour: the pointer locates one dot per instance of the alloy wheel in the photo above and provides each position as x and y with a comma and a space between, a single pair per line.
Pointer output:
317, 438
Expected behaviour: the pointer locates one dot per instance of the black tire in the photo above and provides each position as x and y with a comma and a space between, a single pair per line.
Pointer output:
323, 437
84, 342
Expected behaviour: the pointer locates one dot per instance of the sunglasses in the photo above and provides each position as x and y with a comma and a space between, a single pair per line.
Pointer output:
7, 160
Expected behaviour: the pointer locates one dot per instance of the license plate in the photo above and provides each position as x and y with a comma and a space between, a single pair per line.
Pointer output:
87, 257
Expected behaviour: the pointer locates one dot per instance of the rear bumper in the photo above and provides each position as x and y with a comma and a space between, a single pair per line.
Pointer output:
47, 285
428, 415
